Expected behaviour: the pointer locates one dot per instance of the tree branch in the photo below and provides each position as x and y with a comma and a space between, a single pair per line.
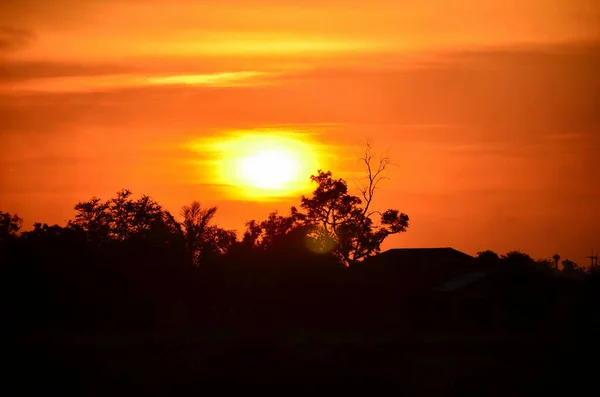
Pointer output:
374, 175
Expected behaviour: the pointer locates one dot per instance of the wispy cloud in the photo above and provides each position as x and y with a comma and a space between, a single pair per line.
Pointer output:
14, 38
568, 136
108, 82
225, 79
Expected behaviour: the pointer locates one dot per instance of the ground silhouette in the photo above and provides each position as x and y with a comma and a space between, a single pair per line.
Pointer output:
125, 297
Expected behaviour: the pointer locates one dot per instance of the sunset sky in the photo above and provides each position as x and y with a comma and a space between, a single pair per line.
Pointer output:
489, 109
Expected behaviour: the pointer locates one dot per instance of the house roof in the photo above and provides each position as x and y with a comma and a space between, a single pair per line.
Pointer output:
422, 257
418, 268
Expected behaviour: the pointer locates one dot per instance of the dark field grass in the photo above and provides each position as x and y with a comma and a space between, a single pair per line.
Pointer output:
290, 360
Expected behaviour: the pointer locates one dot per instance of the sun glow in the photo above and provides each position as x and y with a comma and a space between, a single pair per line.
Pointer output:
269, 169
264, 165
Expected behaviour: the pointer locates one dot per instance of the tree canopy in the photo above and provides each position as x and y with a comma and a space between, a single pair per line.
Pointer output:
10, 224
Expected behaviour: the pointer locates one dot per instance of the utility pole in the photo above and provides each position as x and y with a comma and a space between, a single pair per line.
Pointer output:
593, 260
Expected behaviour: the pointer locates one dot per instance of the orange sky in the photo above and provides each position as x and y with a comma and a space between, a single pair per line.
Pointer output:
489, 109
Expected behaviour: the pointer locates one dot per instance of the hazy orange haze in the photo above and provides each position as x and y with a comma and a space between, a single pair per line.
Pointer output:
489, 109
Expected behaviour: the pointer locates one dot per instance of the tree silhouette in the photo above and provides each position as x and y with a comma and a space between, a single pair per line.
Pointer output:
264, 235
9, 225
333, 220
374, 175
488, 255
517, 259
488, 258
570, 267
203, 240
340, 221
545, 264
92, 218
121, 218
556, 258
517, 256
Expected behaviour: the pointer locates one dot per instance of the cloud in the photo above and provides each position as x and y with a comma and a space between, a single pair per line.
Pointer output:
14, 38
224, 79
239, 27
107, 82
484, 94
570, 136
16, 71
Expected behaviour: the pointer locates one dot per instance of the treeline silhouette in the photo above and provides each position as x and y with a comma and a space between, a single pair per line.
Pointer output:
298, 296
129, 262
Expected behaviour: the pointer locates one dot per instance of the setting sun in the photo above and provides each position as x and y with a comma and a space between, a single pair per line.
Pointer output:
269, 169
263, 164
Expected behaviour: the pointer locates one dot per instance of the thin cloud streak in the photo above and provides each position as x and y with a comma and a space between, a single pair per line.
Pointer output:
14, 38
101, 83
224, 79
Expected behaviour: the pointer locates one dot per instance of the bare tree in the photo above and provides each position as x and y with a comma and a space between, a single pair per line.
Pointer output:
375, 172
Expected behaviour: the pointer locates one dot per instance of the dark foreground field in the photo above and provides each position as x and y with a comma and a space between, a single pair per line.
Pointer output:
128, 319
287, 361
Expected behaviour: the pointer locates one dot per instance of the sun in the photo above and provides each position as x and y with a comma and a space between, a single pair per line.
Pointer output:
262, 165
269, 169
